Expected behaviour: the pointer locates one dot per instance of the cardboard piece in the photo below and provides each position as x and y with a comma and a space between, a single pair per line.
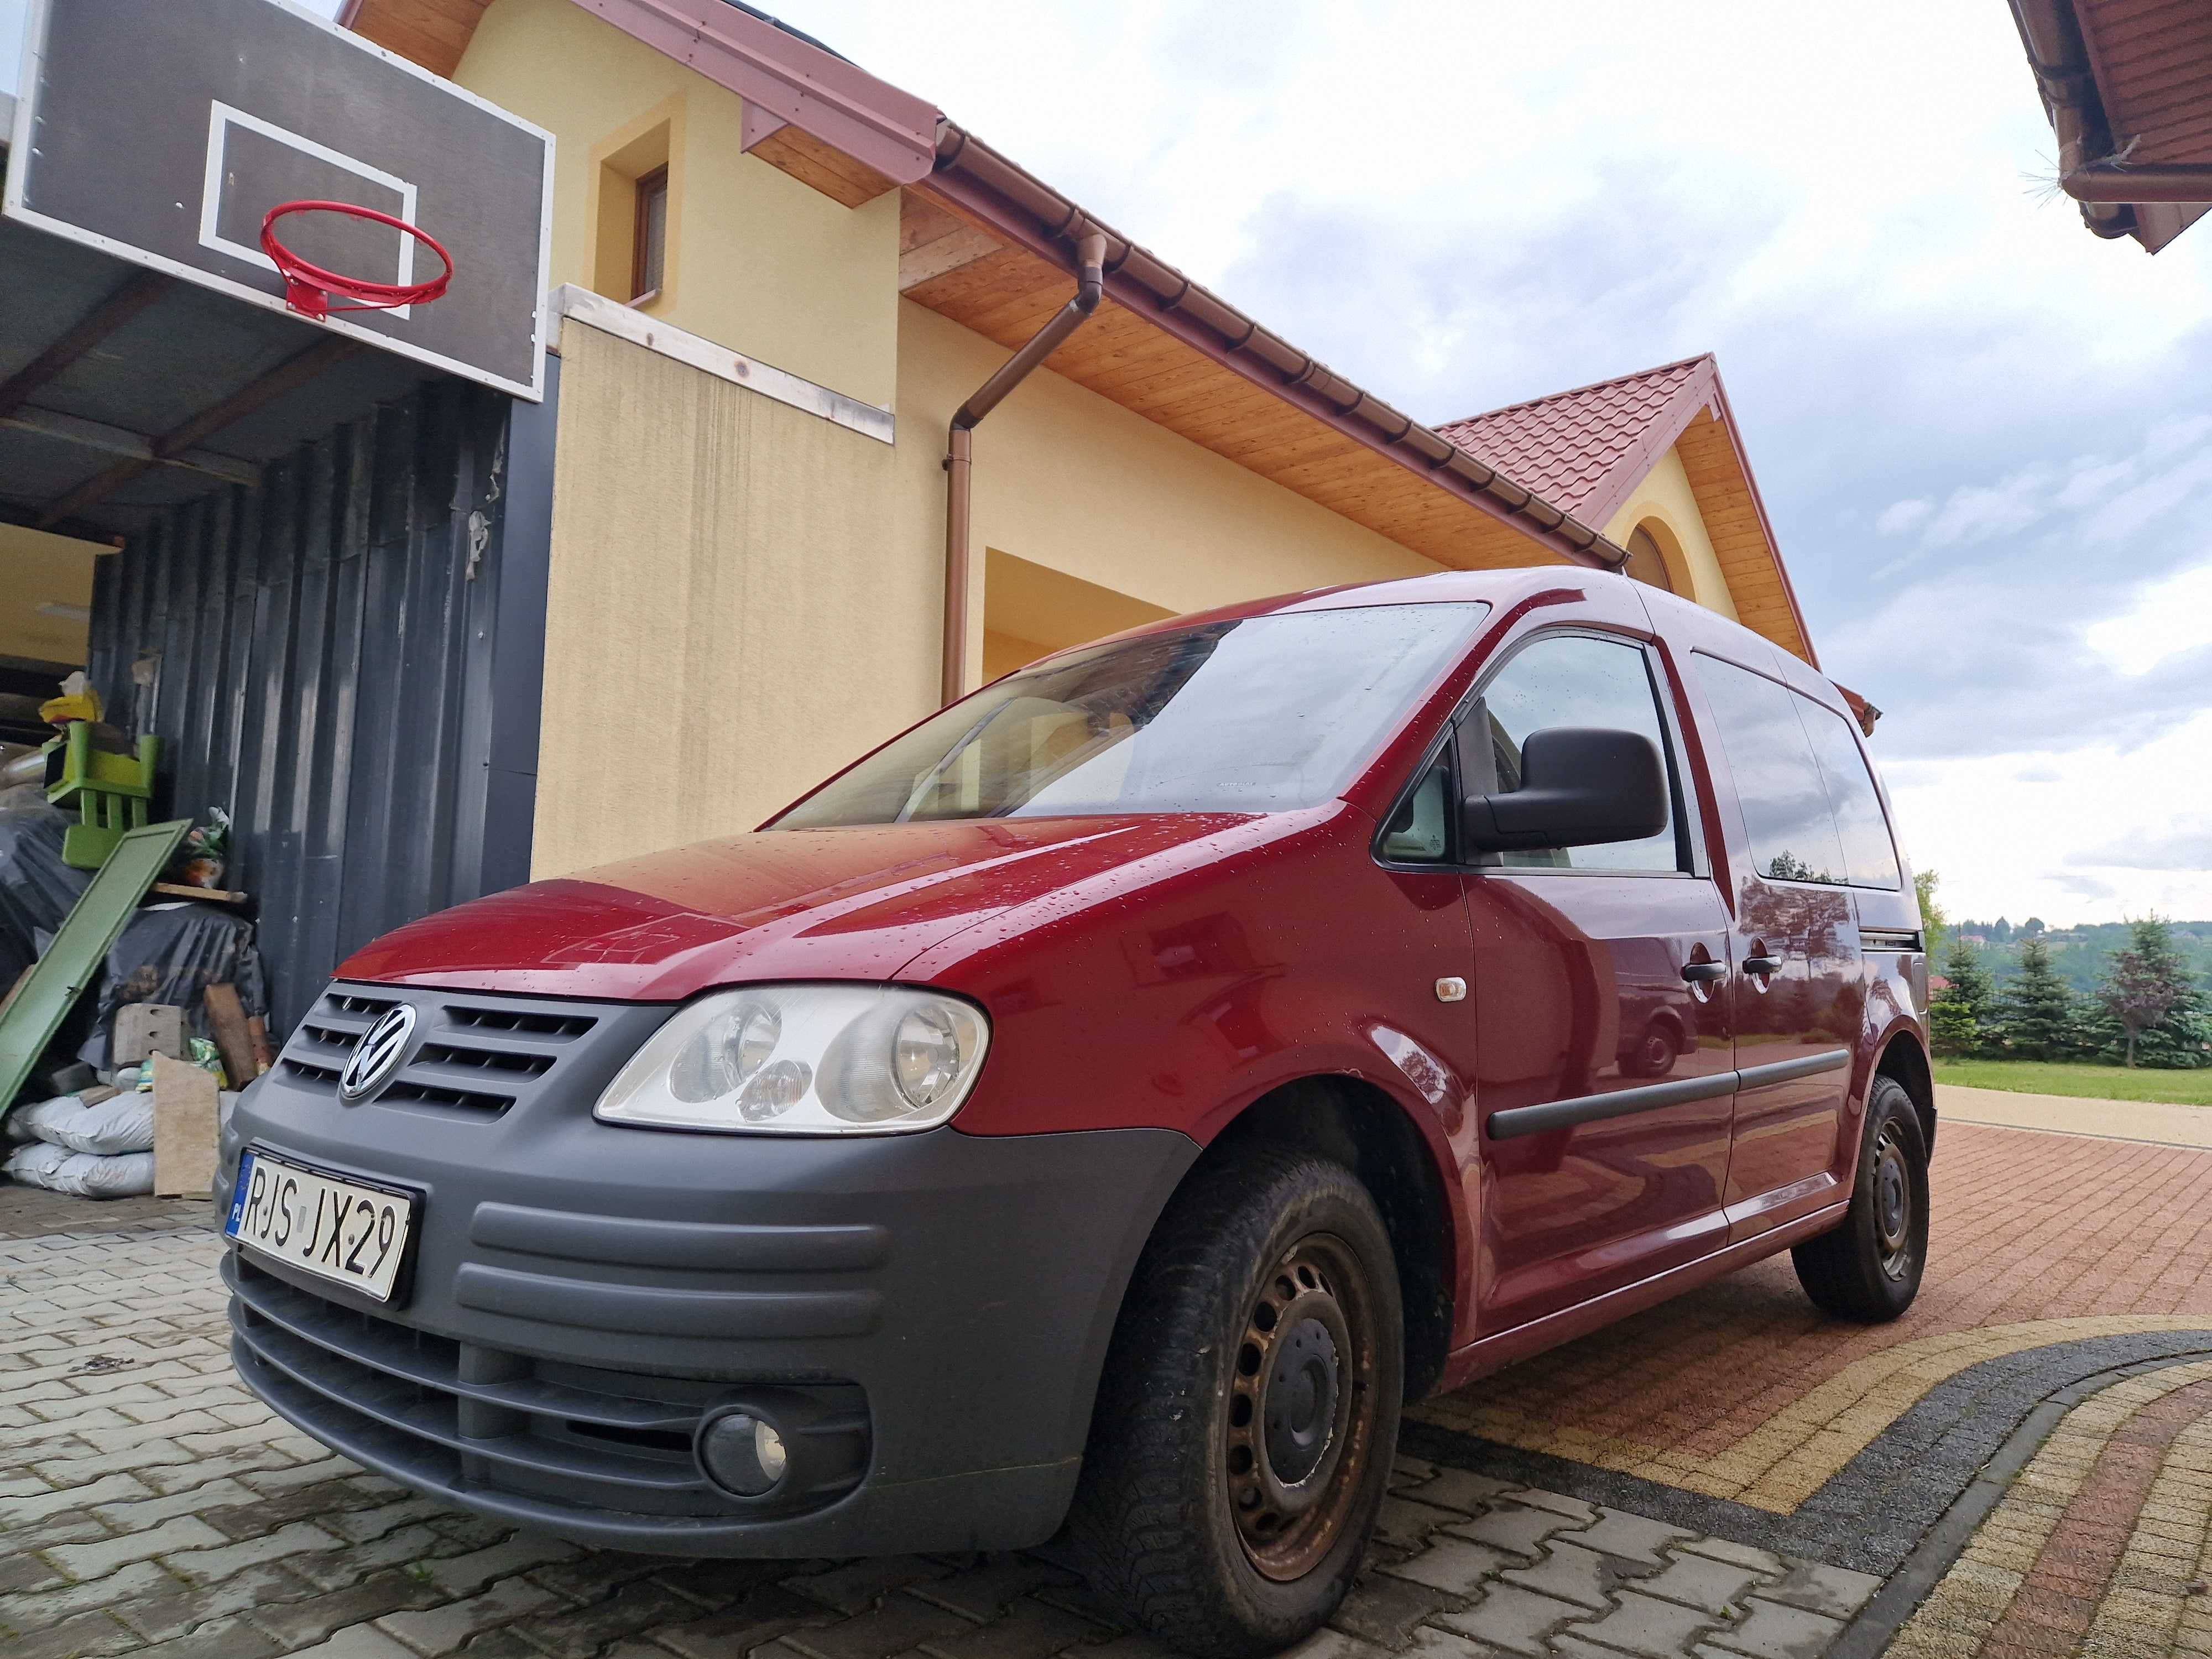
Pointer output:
184, 1127
226, 1018
145, 1028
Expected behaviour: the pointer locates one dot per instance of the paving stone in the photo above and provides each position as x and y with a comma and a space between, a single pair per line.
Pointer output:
441, 1629
989, 1589
1453, 1566
1709, 1585
1836, 1591
764, 1613
1643, 1624
1384, 1609
1026, 1630
234, 1637
1721, 1549
465, 1575
1463, 1490
80, 1637
1773, 1632
1631, 1537
580, 1633
900, 1622
858, 1585
1575, 1509
1513, 1527
1515, 1619
182, 1531
316, 1617
204, 1566
1571, 1573
176, 1608
1407, 1523
358, 1642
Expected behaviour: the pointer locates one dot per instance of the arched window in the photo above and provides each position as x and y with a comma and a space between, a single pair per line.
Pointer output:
1645, 562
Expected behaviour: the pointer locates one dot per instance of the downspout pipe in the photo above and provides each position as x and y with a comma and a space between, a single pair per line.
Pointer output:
960, 448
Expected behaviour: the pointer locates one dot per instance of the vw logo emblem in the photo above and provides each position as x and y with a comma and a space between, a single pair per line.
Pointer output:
378, 1055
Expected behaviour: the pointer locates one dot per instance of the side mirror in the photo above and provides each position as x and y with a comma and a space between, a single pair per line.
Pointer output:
1580, 786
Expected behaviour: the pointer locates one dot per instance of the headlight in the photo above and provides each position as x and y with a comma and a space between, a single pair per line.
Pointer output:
804, 1059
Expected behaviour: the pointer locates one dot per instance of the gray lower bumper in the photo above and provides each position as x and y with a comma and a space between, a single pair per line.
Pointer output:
580, 1295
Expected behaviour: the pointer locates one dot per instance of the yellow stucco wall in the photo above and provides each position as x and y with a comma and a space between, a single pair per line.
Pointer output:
758, 262
36, 569
1066, 479
736, 605
1665, 494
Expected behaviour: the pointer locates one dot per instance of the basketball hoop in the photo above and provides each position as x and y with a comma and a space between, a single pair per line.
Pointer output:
308, 287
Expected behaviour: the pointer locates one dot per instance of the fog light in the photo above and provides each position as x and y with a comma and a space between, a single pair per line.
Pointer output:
742, 1454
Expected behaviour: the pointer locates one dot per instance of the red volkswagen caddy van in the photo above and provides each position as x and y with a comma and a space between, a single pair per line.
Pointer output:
1103, 1105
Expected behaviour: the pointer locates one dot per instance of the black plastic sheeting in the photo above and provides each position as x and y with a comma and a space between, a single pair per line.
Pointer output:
349, 659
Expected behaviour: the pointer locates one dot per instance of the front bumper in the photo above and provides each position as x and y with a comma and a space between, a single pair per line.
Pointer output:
581, 1295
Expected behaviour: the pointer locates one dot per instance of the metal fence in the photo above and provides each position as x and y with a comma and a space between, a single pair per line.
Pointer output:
348, 658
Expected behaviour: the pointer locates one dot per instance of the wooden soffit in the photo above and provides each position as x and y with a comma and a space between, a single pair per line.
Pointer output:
963, 271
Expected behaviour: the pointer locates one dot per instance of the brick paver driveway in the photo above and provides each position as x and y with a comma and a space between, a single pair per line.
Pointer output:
2022, 1464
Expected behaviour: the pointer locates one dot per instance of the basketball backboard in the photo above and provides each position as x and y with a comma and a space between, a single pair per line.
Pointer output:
161, 133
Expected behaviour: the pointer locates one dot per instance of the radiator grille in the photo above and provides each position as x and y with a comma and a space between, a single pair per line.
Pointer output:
475, 1055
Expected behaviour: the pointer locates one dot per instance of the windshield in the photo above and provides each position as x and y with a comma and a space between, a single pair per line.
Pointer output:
1260, 715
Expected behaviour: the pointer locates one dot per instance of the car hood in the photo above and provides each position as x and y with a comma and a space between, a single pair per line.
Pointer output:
849, 903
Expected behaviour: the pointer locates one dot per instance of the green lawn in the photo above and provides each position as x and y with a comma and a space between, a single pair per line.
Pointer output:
2036, 1077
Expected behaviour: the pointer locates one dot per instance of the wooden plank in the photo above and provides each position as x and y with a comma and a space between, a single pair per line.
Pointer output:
957, 247
212, 894
185, 1110
226, 1018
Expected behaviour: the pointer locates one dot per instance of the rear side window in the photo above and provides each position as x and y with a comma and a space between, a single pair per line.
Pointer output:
1778, 782
1869, 856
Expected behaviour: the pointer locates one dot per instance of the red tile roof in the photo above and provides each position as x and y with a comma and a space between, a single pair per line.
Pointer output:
1569, 446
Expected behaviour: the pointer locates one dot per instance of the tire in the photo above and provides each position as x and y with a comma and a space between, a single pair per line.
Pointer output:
1870, 1268
1227, 1393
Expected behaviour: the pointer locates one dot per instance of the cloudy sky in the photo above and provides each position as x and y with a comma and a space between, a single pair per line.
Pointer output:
1984, 436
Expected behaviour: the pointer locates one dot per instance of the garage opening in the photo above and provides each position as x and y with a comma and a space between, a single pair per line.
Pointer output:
1030, 610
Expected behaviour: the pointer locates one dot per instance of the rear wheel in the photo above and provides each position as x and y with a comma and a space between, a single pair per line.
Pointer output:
1870, 1268
1244, 1428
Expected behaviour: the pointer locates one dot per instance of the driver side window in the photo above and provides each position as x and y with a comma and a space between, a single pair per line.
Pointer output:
1573, 679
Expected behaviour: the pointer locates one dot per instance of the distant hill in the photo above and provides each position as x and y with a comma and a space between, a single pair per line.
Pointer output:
2078, 953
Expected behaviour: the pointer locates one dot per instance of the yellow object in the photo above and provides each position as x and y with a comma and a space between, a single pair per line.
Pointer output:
56, 711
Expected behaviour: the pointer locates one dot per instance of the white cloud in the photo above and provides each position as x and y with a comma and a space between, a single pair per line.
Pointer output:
2095, 835
1902, 518
2168, 619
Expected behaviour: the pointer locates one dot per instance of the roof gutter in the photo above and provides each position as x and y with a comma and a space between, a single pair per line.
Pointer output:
2107, 187
1024, 210
960, 449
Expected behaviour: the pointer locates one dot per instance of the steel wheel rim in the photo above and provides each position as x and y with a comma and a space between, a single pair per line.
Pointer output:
1298, 1434
1893, 1205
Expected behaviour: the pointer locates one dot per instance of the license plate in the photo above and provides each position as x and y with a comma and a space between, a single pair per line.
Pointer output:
352, 1235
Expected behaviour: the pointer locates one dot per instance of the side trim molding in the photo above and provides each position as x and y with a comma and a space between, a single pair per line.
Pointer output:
1517, 1121
1786, 1071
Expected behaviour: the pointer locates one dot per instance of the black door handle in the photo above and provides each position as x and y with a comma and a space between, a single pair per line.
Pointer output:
1766, 967
1701, 973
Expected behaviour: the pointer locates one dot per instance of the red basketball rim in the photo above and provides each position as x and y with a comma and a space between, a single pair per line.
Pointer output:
308, 286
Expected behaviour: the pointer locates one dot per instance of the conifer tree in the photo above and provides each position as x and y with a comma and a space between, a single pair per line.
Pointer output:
2037, 1007
1964, 1013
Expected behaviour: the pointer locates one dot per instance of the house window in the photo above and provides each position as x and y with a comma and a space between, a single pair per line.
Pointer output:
1645, 561
649, 236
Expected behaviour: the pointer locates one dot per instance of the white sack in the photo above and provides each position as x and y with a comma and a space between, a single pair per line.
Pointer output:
81, 1175
121, 1123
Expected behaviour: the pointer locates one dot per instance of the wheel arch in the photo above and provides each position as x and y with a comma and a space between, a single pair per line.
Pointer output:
1905, 1060
1361, 1126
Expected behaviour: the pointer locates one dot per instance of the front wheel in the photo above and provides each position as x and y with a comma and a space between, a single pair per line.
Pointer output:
1243, 1438
1870, 1268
